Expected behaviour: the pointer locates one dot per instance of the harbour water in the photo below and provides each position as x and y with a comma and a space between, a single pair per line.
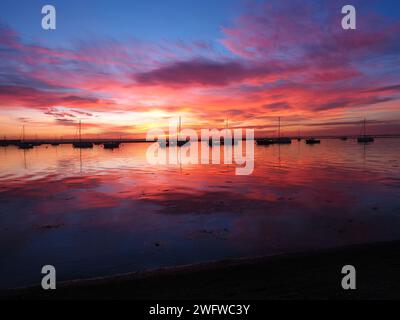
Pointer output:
100, 212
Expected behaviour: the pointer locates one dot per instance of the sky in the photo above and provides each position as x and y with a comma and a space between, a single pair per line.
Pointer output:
124, 67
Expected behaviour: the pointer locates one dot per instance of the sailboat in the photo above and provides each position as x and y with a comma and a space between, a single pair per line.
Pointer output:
82, 144
278, 140
23, 144
36, 143
178, 142
221, 141
98, 141
264, 141
112, 144
313, 141
4, 142
298, 135
55, 143
364, 138
281, 140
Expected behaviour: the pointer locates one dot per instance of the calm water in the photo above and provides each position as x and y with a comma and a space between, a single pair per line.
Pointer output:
99, 212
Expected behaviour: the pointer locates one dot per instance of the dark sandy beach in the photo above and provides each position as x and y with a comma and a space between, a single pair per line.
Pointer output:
312, 275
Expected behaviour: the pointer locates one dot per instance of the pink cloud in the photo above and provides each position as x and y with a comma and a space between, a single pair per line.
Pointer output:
299, 64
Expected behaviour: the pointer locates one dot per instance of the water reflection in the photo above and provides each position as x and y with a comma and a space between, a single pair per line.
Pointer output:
96, 212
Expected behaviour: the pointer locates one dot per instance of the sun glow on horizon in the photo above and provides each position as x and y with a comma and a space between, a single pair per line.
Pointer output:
318, 78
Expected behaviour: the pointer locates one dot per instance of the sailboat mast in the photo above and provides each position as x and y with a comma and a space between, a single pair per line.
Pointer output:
179, 128
364, 127
23, 133
279, 127
80, 131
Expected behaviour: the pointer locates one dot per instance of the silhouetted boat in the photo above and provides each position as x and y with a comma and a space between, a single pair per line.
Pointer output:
4, 143
365, 138
181, 143
281, 140
264, 142
98, 141
23, 144
298, 135
177, 142
111, 145
343, 138
82, 144
312, 141
221, 142
55, 143
174, 143
268, 141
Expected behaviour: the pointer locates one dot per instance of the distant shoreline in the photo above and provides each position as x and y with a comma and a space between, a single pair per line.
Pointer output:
101, 141
309, 275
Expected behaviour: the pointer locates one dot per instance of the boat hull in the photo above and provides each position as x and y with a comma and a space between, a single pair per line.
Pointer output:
283, 141
25, 145
365, 139
313, 141
82, 145
175, 143
111, 145
265, 142
221, 142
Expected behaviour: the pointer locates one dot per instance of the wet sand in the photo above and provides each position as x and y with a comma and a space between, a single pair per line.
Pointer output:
311, 275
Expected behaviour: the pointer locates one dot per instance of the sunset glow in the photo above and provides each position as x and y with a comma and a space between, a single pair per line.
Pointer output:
201, 158
252, 66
